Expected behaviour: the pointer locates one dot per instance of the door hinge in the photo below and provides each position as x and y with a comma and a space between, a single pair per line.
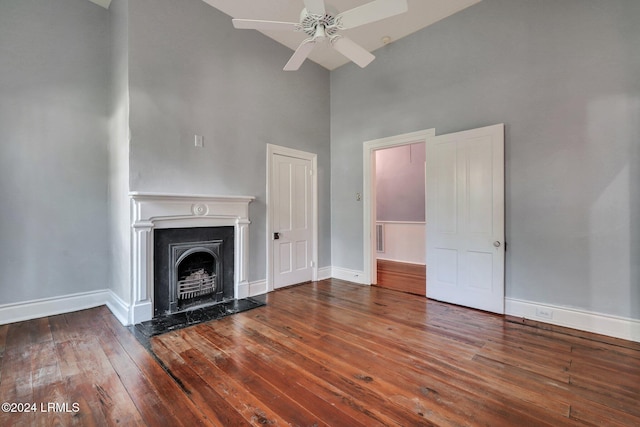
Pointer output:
310, 172
311, 264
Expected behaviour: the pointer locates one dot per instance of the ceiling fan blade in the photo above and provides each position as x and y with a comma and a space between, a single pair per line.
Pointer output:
300, 55
371, 12
315, 7
353, 51
253, 24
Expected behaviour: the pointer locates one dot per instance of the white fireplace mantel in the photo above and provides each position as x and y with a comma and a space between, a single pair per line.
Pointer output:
151, 211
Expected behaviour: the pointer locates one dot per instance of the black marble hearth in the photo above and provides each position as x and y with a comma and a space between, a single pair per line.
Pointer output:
171, 322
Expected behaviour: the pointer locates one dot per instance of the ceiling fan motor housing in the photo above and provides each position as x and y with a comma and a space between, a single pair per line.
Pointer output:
309, 22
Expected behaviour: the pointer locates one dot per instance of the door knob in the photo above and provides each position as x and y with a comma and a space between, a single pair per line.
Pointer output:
276, 236
496, 243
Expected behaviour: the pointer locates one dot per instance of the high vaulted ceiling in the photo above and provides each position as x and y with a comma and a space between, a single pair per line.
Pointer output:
421, 14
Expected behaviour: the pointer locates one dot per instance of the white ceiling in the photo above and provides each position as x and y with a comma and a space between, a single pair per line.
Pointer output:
421, 14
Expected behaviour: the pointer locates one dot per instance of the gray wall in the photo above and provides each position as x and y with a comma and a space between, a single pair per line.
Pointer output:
119, 210
400, 191
192, 73
563, 75
53, 148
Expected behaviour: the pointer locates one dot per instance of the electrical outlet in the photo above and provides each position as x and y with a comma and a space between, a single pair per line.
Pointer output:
544, 313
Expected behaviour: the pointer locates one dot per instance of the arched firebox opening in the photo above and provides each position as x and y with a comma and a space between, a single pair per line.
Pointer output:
196, 277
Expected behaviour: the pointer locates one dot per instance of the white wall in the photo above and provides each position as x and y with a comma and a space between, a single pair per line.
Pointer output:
404, 242
563, 76
54, 66
192, 73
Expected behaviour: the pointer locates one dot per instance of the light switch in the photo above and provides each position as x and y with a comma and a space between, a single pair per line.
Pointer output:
199, 141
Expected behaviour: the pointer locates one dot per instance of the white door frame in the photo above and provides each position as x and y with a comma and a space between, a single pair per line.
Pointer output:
286, 151
369, 192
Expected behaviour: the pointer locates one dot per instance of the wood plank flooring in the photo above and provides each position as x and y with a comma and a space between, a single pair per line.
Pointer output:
322, 354
402, 276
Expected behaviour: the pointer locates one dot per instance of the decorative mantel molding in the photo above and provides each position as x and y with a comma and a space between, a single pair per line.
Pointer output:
151, 211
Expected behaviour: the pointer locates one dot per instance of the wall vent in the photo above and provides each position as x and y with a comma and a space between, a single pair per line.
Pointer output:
380, 237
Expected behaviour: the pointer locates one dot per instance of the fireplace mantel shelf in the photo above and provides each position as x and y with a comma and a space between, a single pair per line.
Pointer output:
177, 196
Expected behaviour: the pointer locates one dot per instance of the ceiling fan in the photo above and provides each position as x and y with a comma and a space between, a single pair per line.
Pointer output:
323, 23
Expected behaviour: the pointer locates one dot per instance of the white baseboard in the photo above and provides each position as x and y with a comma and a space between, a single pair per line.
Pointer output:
258, 287
348, 275
614, 326
28, 310
243, 289
18, 312
118, 307
324, 273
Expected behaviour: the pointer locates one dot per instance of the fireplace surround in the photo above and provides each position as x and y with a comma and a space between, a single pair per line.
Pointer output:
155, 211
192, 267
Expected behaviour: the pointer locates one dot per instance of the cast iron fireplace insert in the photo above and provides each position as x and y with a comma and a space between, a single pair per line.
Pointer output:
193, 267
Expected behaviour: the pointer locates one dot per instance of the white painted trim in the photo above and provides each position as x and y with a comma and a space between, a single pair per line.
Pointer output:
151, 211
349, 275
369, 193
118, 307
291, 152
324, 273
34, 309
599, 323
177, 197
259, 287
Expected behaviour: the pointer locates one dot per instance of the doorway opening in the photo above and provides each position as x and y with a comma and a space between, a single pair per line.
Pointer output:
399, 262
400, 218
465, 215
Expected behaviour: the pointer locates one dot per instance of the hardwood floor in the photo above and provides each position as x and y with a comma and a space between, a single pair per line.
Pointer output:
327, 353
401, 276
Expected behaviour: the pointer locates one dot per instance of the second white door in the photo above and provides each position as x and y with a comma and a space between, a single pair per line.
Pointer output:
291, 220
465, 218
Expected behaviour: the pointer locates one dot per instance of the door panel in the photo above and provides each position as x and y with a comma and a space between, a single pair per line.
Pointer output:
291, 220
284, 266
465, 216
446, 266
480, 186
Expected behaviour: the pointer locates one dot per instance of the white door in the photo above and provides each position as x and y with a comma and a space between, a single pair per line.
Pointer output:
465, 218
292, 236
